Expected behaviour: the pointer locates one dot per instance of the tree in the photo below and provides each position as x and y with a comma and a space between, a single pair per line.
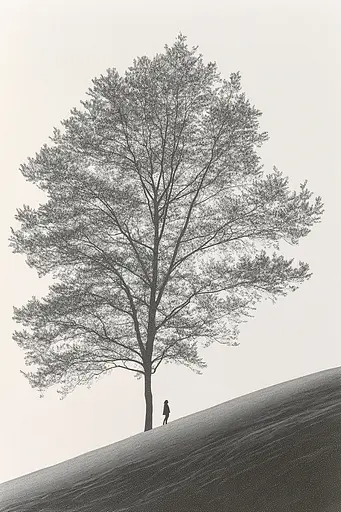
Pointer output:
160, 228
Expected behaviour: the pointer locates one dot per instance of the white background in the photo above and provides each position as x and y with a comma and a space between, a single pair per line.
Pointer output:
289, 57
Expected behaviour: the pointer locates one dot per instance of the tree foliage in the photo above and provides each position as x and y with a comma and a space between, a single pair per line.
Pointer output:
161, 229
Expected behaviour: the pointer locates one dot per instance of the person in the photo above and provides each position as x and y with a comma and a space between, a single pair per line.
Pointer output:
166, 411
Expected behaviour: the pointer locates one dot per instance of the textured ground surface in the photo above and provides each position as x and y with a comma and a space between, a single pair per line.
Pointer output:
275, 450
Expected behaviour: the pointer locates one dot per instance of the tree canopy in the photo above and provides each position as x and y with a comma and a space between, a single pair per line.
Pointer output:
161, 229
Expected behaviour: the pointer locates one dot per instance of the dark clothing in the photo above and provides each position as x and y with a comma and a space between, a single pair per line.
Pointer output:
166, 411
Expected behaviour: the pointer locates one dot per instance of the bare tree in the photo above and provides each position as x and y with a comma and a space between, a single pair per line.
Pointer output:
160, 228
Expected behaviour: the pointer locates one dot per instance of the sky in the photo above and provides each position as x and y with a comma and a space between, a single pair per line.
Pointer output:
288, 55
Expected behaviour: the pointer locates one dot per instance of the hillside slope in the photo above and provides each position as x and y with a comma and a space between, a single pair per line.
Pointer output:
275, 450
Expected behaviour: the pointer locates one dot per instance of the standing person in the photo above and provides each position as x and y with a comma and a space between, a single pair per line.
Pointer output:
166, 411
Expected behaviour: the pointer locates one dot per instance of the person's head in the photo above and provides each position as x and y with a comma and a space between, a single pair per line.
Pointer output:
166, 401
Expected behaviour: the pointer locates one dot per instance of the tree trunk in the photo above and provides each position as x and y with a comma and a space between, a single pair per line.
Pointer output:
149, 399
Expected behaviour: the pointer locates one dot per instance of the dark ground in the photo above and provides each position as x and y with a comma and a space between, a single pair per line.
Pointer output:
275, 450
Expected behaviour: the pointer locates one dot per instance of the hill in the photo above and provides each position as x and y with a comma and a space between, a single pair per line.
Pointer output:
274, 450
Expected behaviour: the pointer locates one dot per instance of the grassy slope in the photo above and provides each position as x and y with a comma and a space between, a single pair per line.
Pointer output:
275, 450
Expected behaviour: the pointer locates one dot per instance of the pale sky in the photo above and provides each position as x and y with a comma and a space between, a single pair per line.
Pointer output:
289, 56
